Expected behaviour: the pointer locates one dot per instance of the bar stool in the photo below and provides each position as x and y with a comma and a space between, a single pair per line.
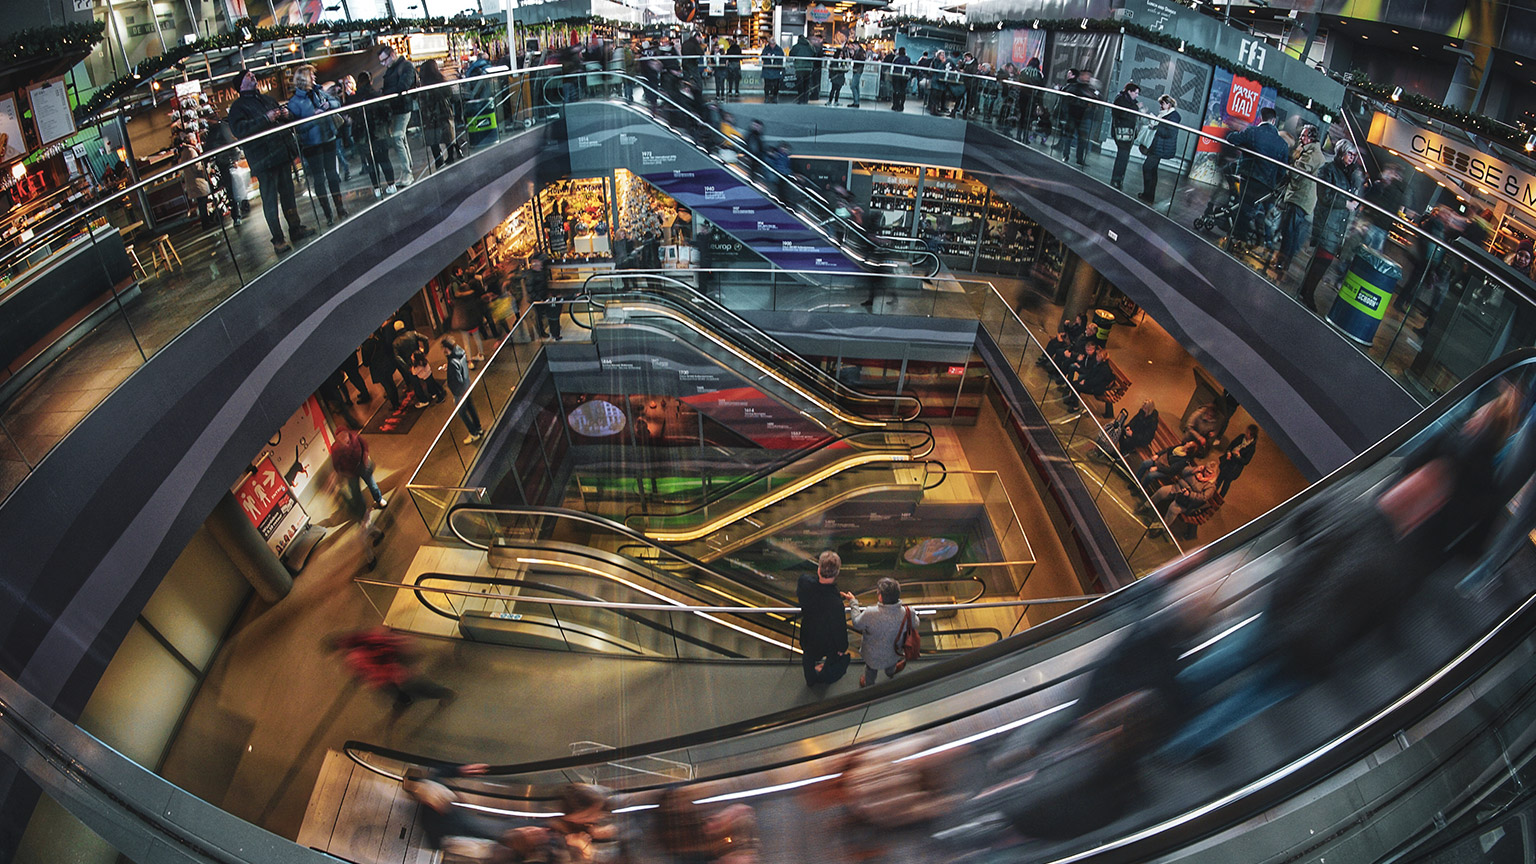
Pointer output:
133, 258
164, 251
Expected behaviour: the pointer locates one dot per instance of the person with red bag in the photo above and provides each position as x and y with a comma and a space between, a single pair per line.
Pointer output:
890, 632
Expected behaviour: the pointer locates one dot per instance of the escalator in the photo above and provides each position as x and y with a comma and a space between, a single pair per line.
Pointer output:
1342, 766
756, 203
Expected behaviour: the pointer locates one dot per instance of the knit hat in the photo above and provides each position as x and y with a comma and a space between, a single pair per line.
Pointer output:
1525, 246
247, 81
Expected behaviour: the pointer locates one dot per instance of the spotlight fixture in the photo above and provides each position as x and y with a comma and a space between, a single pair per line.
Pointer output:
19, 170
999, 25
1530, 144
1397, 93
1036, 25
1181, 46
1327, 118
1083, 25
1309, 104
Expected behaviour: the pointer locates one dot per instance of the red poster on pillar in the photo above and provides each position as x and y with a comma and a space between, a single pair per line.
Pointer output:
1243, 101
264, 498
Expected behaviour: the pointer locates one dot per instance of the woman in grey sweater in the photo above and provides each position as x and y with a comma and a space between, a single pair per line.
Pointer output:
880, 624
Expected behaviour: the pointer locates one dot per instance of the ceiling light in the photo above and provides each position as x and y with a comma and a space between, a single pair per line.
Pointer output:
1363, 36
1519, 62
1414, 47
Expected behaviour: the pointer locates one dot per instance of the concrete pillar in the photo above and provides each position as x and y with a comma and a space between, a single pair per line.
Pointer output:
1081, 286
243, 544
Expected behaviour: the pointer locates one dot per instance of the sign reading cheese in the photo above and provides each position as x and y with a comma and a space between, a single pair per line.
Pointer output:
1510, 182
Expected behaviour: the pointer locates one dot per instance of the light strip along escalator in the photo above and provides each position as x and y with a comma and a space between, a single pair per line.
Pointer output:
876, 253
1317, 741
669, 297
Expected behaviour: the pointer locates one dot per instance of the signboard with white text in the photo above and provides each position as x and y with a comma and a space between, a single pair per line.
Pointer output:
266, 500
1509, 182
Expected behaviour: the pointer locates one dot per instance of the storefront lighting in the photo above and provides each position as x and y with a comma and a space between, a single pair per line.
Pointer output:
1397, 93
19, 170
999, 25
155, 85
245, 34
293, 47
327, 43
122, 154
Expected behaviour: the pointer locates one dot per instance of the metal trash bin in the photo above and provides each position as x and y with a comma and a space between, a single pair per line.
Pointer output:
1105, 321
1365, 294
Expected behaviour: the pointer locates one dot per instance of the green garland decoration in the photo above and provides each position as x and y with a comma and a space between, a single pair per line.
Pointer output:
246, 33
56, 40
1110, 25
1480, 124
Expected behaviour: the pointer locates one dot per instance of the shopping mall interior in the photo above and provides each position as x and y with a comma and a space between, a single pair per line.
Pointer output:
784, 432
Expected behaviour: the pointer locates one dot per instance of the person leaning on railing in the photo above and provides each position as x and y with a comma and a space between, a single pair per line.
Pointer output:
1165, 145
399, 76
270, 157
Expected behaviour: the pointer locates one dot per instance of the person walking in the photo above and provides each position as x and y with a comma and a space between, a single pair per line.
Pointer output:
823, 625
399, 76
1165, 144
901, 77
270, 158
317, 140
773, 72
385, 660
349, 456
882, 627
1122, 128
437, 109
456, 370
1032, 77
546, 315
1077, 91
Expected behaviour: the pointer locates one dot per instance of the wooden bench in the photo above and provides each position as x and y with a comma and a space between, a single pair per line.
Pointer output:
1116, 391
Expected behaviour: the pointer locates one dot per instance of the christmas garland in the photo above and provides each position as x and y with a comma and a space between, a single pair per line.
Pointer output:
1110, 25
246, 33
1480, 124
59, 40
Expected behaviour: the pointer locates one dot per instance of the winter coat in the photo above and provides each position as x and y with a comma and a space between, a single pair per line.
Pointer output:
248, 118
1330, 220
1263, 139
1301, 189
308, 103
773, 62
398, 78
1165, 141
456, 370
880, 625
1126, 119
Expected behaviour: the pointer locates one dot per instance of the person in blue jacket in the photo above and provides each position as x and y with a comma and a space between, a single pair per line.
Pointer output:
1260, 176
317, 139
456, 369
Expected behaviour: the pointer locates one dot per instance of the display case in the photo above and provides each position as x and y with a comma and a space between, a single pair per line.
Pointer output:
516, 237
1010, 240
893, 192
953, 208
574, 215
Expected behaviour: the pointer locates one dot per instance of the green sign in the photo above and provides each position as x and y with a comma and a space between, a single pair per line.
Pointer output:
1362, 295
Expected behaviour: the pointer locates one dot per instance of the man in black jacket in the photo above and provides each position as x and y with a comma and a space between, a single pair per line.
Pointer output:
399, 76
901, 74
1260, 175
269, 156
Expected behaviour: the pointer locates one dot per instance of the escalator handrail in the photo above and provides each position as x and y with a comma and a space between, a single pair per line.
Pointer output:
587, 601
1049, 630
829, 213
765, 471
735, 324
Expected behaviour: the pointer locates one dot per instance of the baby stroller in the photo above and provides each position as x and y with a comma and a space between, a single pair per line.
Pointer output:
1226, 202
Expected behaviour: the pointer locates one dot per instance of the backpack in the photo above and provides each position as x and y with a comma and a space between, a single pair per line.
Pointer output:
909, 642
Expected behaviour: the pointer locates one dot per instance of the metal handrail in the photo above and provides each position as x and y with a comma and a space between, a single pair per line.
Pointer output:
830, 215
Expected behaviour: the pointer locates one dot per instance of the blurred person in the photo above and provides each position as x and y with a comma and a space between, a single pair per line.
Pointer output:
806, 56
733, 57
1075, 112
456, 370
883, 625
689, 833
317, 140
399, 76
350, 459
823, 624
371, 128
1300, 197
1522, 258
1067, 334
379, 356
1122, 128
546, 314
576, 835
467, 311
1032, 77
458, 831
269, 157
196, 182
1202, 427
437, 110
220, 136
940, 68
385, 660
1165, 144
1332, 216
1165, 466
1235, 458
1093, 376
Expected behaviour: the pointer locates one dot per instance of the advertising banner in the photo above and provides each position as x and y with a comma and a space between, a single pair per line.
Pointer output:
1486, 173
1233, 104
266, 500
721, 198
1162, 71
301, 446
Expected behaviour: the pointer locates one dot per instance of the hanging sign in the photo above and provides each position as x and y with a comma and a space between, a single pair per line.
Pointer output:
1243, 101
818, 14
50, 110
1509, 182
